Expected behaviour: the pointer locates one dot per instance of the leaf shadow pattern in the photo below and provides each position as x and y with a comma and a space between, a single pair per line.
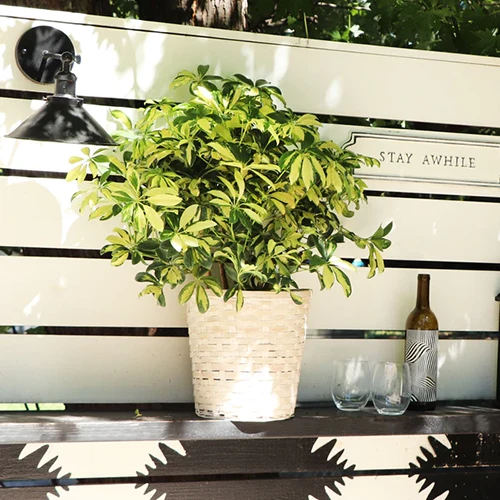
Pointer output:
338, 470
43, 477
473, 451
322, 466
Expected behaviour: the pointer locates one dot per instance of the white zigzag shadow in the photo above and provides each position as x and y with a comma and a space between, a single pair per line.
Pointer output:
103, 492
113, 459
375, 453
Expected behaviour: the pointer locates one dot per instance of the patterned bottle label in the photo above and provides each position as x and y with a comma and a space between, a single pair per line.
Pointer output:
421, 355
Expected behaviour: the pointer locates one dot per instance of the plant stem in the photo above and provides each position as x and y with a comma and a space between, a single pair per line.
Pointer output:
223, 277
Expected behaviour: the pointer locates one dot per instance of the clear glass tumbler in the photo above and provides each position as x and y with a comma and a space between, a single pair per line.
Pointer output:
350, 384
391, 388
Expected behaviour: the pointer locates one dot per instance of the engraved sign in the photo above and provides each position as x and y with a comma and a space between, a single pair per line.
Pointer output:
425, 159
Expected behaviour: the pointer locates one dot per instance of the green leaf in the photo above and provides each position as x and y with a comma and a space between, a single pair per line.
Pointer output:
75, 159
203, 69
187, 292
145, 278
148, 246
202, 299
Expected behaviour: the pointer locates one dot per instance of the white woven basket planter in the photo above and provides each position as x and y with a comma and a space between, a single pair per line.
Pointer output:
246, 365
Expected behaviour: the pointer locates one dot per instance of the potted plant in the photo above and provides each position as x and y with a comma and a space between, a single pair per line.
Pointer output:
227, 196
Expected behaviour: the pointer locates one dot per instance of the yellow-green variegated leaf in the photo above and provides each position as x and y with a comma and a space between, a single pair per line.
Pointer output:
200, 226
202, 299
344, 280
204, 124
240, 183
119, 258
188, 215
296, 298
295, 169
118, 164
253, 215
328, 277
309, 120
333, 177
186, 293
140, 219
102, 211
285, 198
154, 218
307, 172
380, 261
164, 200
118, 240
319, 169
75, 173
223, 132
224, 152
176, 242
189, 241
122, 118
240, 300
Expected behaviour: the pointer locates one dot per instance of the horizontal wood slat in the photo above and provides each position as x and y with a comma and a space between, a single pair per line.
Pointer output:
49, 368
140, 62
127, 459
90, 292
39, 213
269, 489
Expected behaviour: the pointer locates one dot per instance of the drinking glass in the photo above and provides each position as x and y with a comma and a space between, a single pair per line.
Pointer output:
391, 388
350, 384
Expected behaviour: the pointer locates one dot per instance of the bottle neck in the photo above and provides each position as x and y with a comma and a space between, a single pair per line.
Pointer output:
423, 291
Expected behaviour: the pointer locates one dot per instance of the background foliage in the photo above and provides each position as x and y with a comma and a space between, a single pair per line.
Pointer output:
462, 26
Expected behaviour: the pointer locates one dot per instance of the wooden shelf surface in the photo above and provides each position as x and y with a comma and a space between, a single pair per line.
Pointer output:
180, 423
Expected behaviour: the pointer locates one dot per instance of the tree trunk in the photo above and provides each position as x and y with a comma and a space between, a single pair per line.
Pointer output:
98, 7
229, 14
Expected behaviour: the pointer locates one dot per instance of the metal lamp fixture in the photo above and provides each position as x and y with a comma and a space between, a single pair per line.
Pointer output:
45, 55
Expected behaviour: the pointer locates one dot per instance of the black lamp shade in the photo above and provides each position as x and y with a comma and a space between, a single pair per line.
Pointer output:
60, 121
62, 118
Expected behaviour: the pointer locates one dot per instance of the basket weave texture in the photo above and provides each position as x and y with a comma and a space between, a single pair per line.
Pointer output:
246, 364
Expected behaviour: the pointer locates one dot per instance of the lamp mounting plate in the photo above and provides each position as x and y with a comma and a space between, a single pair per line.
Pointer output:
30, 51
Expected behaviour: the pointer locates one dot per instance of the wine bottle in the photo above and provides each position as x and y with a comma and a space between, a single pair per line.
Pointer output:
421, 349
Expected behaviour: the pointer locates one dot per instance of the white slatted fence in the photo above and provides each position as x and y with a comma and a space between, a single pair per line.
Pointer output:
451, 231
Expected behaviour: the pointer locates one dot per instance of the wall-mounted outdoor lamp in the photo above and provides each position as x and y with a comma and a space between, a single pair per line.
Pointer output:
46, 55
